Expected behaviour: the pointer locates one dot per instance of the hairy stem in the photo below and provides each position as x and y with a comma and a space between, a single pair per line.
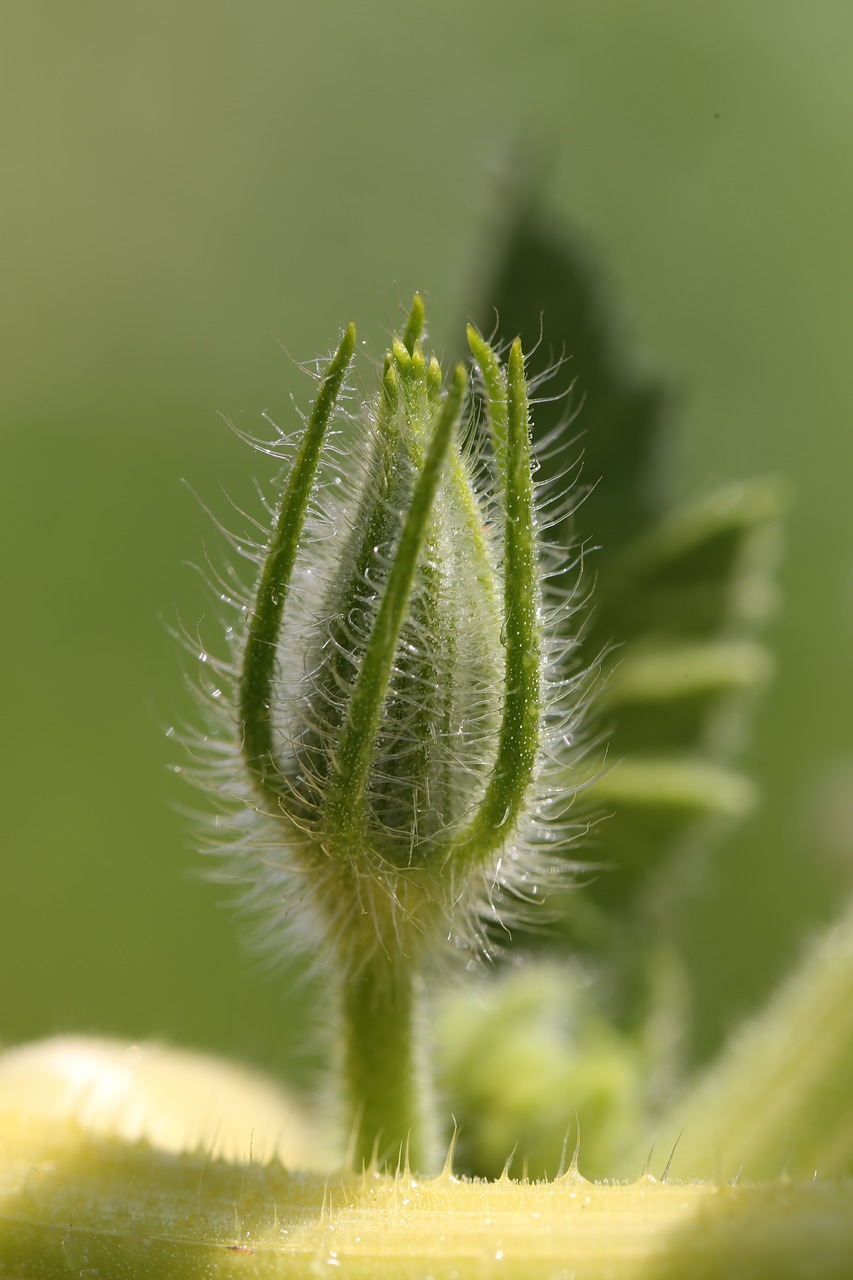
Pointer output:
380, 1068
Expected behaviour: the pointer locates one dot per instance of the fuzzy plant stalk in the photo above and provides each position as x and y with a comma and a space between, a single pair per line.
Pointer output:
405, 708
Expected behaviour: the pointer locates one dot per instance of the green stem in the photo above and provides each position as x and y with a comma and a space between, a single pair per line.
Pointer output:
380, 1069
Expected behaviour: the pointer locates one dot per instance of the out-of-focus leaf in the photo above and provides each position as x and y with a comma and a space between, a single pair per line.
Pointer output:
677, 598
679, 595
544, 289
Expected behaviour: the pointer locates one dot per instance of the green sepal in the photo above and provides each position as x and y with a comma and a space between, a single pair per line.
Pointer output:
256, 693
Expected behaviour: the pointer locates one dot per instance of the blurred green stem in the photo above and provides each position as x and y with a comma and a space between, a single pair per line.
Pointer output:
778, 1098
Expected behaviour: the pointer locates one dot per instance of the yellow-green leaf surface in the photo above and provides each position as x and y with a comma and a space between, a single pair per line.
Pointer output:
78, 1200
73, 1204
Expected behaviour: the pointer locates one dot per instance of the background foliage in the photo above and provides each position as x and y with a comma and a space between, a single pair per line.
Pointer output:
183, 187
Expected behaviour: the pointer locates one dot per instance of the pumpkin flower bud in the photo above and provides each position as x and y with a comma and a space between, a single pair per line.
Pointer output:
404, 711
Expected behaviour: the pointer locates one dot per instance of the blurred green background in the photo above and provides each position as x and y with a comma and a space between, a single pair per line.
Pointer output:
189, 188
